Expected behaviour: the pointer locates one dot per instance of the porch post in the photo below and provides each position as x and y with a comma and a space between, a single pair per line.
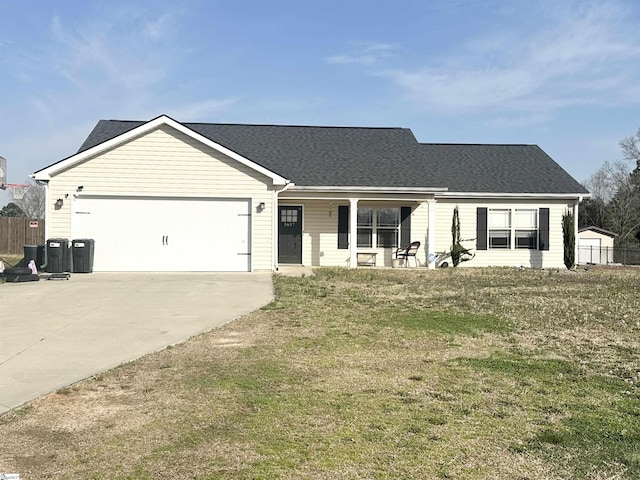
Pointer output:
274, 230
431, 232
353, 232
576, 209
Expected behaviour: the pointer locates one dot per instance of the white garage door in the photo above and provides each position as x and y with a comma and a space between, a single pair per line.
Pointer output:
165, 235
589, 251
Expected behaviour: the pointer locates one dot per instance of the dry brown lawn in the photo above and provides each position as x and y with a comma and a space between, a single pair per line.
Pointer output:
368, 374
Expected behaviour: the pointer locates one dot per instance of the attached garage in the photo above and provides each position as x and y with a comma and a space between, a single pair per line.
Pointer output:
165, 234
160, 197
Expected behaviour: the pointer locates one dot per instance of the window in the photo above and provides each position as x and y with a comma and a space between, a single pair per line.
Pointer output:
288, 217
384, 229
502, 233
391, 228
526, 235
500, 228
365, 227
387, 227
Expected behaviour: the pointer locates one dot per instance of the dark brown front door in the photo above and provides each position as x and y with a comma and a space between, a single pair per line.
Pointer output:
290, 235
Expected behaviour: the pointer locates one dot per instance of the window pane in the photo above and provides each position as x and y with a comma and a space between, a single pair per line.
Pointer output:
527, 219
365, 217
388, 217
387, 237
527, 239
500, 219
499, 238
289, 217
364, 237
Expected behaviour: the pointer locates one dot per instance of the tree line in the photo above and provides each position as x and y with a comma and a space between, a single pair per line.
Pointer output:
615, 196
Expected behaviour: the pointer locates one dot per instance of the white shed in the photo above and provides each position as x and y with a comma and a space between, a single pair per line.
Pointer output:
595, 245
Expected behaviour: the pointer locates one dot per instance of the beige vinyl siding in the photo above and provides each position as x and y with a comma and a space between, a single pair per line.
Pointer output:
552, 258
168, 163
320, 232
420, 230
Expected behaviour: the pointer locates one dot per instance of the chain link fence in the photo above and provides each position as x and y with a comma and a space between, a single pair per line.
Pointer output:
608, 255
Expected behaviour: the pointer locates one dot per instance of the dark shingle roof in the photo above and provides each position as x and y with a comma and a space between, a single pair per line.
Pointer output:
384, 157
498, 168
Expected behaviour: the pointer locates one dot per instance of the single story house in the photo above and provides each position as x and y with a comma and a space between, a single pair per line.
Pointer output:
595, 245
162, 195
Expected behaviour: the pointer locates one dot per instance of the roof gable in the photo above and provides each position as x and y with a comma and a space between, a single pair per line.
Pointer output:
107, 135
599, 230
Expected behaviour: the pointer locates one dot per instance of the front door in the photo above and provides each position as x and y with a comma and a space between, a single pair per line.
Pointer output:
290, 235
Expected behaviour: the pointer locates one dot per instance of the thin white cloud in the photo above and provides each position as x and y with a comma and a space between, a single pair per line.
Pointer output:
157, 29
363, 54
92, 58
201, 110
586, 56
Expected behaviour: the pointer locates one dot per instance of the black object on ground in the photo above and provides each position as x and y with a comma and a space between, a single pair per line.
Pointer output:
57, 276
21, 278
57, 255
82, 255
17, 271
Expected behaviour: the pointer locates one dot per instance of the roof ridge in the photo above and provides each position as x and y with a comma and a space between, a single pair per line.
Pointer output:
295, 126
483, 144
284, 125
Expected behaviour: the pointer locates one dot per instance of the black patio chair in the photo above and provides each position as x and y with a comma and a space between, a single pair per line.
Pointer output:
407, 252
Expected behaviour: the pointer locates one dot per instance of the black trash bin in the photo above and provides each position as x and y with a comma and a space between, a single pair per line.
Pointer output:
35, 253
82, 255
57, 255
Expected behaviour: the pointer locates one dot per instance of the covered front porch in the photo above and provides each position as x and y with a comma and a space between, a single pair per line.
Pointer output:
316, 228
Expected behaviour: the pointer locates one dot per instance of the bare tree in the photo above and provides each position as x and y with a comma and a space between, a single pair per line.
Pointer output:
615, 189
624, 218
631, 149
606, 181
33, 203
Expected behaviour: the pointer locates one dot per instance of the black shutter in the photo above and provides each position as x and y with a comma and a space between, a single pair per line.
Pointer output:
343, 227
543, 228
405, 226
481, 228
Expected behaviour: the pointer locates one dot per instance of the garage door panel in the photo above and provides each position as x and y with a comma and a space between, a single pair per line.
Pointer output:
154, 234
589, 250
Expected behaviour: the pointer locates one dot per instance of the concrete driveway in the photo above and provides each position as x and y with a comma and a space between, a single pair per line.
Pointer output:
56, 332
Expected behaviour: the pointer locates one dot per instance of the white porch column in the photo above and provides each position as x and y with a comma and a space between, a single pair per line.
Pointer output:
353, 232
576, 208
431, 232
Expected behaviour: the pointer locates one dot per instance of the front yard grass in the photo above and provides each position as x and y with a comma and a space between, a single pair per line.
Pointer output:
456, 373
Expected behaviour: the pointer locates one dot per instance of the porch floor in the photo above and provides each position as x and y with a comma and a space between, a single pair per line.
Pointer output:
306, 271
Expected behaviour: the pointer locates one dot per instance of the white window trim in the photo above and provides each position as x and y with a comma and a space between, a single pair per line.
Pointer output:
513, 227
374, 227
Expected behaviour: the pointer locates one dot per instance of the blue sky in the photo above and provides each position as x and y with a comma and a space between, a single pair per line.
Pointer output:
562, 74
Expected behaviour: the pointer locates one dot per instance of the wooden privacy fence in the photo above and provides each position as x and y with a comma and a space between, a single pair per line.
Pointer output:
15, 233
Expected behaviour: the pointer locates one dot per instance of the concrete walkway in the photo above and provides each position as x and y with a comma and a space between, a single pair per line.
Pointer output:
56, 332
